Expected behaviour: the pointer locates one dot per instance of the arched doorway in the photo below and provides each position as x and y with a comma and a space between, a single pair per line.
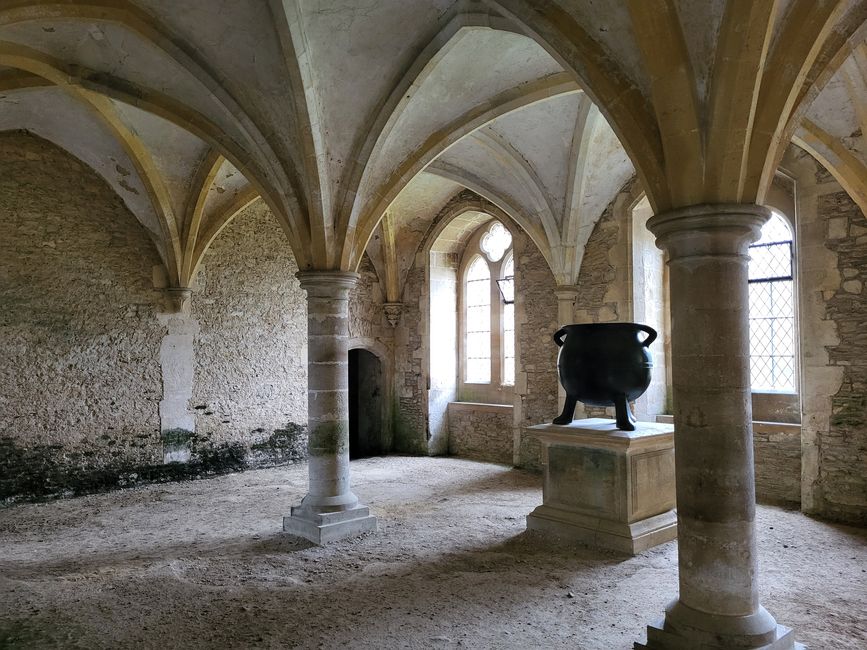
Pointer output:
367, 433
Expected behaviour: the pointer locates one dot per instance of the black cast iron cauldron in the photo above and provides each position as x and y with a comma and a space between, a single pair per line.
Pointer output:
604, 364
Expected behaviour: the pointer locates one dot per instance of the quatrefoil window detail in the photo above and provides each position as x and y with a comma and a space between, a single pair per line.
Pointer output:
496, 242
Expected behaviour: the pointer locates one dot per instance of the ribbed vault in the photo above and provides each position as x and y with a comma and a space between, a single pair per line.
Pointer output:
544, 108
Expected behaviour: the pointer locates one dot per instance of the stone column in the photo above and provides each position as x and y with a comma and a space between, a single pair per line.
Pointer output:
718, 605
330, 511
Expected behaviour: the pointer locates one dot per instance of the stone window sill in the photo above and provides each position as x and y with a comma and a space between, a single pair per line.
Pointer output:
482, 407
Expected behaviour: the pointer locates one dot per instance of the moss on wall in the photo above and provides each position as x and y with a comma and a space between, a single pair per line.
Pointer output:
46, 471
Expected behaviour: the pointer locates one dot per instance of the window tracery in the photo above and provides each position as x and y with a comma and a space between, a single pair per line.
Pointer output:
488, 323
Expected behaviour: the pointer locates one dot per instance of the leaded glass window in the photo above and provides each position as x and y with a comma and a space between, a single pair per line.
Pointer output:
772, 308
509, 328
488, 321
478, 320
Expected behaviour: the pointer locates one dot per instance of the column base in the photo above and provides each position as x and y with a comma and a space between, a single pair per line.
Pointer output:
324, 527
684, 628
631, 538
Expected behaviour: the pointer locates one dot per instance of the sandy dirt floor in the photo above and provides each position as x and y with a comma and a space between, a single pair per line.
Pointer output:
204, 564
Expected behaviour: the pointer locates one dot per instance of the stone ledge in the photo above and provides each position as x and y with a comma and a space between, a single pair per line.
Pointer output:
759, 426
602, 433
481, 407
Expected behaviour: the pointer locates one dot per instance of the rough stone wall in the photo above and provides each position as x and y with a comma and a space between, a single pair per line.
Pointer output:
366, 316
604, 293
250, 386
369, 329
79, 374
777, 452
481, 432
536, 363
842, 478
410, 411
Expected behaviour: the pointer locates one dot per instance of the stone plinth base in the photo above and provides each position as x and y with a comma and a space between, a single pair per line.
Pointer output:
605, 487
324, 527
594, 531
659, 639
686, 628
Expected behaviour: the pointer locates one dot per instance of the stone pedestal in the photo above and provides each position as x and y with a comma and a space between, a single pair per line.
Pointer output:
605, 487
330, 511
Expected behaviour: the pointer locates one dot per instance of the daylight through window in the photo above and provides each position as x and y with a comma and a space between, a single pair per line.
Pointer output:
772, 308
478, 300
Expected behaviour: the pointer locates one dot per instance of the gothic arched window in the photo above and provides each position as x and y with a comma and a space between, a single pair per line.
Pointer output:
488, 351
772, 308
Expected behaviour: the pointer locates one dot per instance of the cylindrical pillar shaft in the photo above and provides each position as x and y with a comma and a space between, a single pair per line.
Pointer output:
708, 261
328, 389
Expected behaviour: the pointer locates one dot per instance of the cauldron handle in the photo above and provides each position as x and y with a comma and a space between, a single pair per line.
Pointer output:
651, 334
558, 337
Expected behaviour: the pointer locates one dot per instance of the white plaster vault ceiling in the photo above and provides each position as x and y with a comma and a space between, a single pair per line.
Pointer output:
358, 121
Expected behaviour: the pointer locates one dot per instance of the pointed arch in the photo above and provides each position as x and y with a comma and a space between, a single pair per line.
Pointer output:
659, 36
798, 43
98, 88
387, 112
506, 208
215, 225
158, 35
846, 168
512, 100
626, 109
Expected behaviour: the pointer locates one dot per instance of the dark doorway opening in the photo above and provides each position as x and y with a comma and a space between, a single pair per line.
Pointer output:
367, 435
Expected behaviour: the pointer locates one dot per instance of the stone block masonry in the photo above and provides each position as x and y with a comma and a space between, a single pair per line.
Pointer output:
843, 449
481, 431
536, 364
777, 452
410, 419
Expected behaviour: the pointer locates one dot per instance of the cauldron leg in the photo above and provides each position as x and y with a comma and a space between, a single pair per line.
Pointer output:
568, 411
625, 419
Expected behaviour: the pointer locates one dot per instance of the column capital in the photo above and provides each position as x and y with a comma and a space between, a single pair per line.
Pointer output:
327, 284
179, 299
566, 291
392, 312
709, 228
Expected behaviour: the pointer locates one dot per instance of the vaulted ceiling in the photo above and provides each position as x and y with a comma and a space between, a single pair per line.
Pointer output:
357, 121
